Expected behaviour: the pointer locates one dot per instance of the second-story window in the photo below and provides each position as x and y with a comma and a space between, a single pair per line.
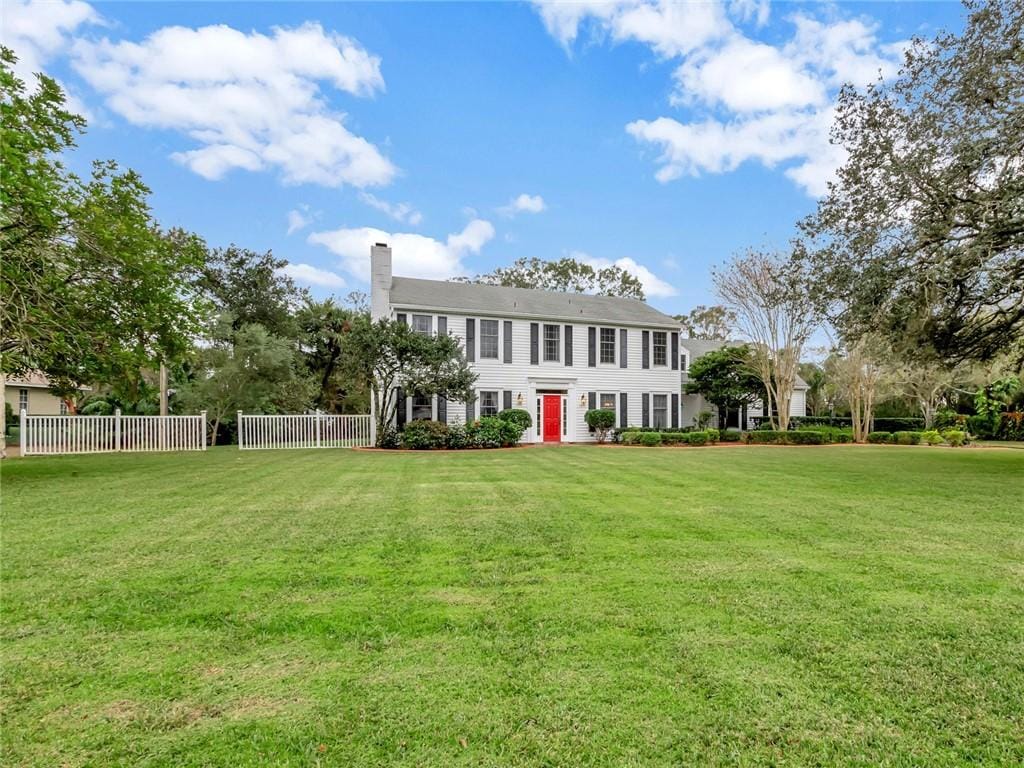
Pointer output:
682, 362
551, 339
422, 324
607, 345
489, 339
660, 348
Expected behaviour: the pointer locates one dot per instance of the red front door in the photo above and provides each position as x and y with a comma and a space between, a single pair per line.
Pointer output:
552, 418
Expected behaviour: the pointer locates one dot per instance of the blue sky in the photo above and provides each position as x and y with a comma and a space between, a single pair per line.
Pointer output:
662, 137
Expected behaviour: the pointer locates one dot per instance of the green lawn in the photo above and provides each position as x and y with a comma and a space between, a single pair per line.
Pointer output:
552, 606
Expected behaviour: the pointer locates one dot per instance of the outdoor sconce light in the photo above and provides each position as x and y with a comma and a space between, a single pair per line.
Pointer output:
583, 400
519, 399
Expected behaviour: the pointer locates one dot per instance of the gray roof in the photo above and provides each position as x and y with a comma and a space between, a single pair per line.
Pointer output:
499, 300
700, 347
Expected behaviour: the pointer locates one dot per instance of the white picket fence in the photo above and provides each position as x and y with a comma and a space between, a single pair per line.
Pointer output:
51, 435
311, 430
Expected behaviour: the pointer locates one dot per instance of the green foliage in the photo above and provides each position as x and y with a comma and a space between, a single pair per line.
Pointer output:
832, 434
788, 437
566, 275
423, 435
10, 419
324, 332
713, 435
389, 354
602, 421
715, 322
674, 438
724, 378
518, 415
907, 438
948, 418
954, 437
631, 437
880, 437
458, 437
697, 438
932, 437
730, 436
650, 439
493, 432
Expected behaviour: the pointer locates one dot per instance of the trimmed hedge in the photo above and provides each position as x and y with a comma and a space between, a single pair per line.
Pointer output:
880, 437
730, 436
650, 439
423, 435
907, 438
778, 437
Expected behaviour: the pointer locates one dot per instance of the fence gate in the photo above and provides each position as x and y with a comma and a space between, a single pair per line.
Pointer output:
310, 430
51, 435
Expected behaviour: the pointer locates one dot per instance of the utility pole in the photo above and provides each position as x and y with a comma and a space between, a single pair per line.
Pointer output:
163, 389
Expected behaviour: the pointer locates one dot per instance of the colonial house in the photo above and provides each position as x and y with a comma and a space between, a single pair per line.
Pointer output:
31, 392
556, 355
694, 405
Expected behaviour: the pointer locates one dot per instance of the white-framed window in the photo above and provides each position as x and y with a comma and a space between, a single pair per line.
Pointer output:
660, 411
607, 345
682, 362
423, 324
63, 408
660, 347
488, 404
422, 407
489, 339
552, 337
606, 401
22, 400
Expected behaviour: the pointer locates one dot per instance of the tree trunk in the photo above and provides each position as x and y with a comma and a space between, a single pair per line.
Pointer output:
216, 428
3, 398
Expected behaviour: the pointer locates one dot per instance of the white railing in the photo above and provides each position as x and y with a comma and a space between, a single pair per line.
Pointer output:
311, 430
49, 435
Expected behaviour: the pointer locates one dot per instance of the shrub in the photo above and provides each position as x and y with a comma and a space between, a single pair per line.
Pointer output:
897, 424
730, 436
932, 437
673, 438
601, 421
697, 438
518, 416
458, 437
388, 438
650, 439
713, 435
907, 438
777, 437
631, 437
947, 418
424, 435
955, 437
831, 434
879, 437
702, 419
492, 432
980, 426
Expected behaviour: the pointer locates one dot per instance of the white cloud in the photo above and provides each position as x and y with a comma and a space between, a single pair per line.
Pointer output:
38, 31
307, 274
523, 203
748, 100
413, 255
248, 101
403, 212
654, 286
299, 219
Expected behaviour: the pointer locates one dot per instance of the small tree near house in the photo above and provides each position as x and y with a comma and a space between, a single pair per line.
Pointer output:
725, 379
602, 421
392, 356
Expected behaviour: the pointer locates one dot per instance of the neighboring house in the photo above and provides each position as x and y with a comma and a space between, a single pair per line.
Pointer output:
555, 355
692, 349
31, 393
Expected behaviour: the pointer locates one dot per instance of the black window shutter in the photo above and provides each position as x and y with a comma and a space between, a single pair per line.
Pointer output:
401, 317
623, 352
534, 344
508, 341
507, 397
442, 409
470, 339
591, 400
469, 411
442, 326
675, 410
592, 347
568, 345
645, 352
400, 397
623, 411
645, 409
675, 351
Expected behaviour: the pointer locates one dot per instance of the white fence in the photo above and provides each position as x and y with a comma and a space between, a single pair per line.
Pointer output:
313, 430
49, 435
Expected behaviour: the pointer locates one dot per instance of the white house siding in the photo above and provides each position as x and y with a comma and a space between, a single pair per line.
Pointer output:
797, 407
523, 379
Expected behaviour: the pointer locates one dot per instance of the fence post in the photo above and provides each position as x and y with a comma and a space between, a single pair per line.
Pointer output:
202, 428
22, 432
240, 446
317, 427
117, 429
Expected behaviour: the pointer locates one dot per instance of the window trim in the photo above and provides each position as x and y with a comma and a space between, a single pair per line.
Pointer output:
413, 406
601, 397
654, 350
23, 400
497, 405
601, 346
557, 341
429, 331
655, 409
497, 338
